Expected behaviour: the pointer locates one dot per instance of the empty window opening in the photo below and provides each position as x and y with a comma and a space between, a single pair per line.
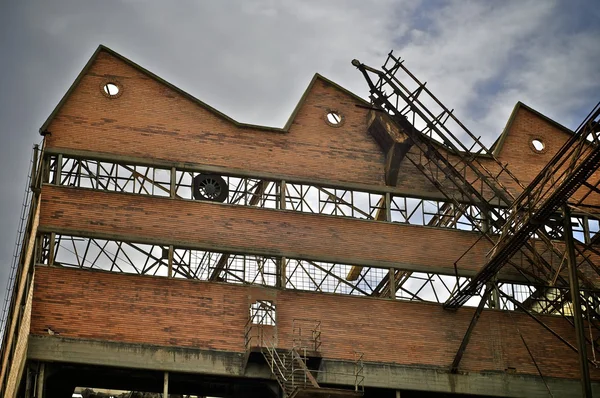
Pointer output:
538, 145
262, 312
334, 118
111, 89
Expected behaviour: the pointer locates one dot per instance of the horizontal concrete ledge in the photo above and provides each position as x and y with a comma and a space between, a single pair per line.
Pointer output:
223, 363
141, 356
498, 384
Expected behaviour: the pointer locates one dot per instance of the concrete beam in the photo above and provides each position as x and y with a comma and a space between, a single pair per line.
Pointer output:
500, 384
221, 363
138, 356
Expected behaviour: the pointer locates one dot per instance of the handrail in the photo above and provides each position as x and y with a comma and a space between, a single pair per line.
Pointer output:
359, 379
291, 370
279, 364
315, 333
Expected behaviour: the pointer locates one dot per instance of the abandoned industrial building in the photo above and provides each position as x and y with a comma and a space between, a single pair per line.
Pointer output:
372, 248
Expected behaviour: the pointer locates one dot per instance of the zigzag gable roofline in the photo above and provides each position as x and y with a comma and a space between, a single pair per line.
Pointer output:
190, 97
496, 147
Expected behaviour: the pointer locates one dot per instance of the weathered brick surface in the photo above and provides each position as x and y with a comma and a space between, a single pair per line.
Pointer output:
159, 311
106, 306
220, 227
526, 163
248, 229
150, 120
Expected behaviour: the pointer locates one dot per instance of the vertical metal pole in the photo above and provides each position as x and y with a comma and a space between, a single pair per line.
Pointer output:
388, 206
281, 274
28, 383
166, 386
173, 181
45, 170
170, 264
282, 195
586, 385
51, 248
392, 282
58, 170
586, 230
496, 294
282, 261
387, 203
32, 183
494, 299
39, 389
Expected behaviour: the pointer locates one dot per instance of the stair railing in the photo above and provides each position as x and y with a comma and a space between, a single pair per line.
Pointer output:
306, 334
277, 364
359, 368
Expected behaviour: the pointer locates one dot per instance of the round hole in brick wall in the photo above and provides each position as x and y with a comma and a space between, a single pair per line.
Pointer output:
111, 89
538, 145
334, 118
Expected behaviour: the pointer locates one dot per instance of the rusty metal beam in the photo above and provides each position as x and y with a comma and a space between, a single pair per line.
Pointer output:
467, 336
584, 370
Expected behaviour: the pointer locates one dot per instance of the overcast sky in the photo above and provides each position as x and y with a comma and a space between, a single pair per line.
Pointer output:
253, 59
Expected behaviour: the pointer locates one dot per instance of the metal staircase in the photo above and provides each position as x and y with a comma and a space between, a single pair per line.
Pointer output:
290, 367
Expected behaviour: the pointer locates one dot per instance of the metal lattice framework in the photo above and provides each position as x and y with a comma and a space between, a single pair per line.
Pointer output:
533, 228
243, 268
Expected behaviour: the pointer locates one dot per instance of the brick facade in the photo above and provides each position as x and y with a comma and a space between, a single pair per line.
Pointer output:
194, 314
214, 226
153, 121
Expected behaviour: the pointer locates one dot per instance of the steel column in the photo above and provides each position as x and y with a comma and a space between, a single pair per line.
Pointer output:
39, 388
392, 282
173, 183
281, 272
58, 172
577, 318
170, 262
282, 195
166, 385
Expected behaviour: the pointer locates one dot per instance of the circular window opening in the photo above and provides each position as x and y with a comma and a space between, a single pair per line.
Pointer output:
538, 145
334, 118
111, 89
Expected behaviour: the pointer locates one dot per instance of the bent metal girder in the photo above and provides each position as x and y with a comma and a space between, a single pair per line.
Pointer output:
570, 168
455, 169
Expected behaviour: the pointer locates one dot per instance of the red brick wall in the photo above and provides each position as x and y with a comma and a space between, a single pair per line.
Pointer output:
246, 229
526, 163
220, 227
159, 311
151, 121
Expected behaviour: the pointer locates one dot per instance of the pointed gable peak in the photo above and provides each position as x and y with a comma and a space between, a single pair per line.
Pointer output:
316, 78
521, 107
